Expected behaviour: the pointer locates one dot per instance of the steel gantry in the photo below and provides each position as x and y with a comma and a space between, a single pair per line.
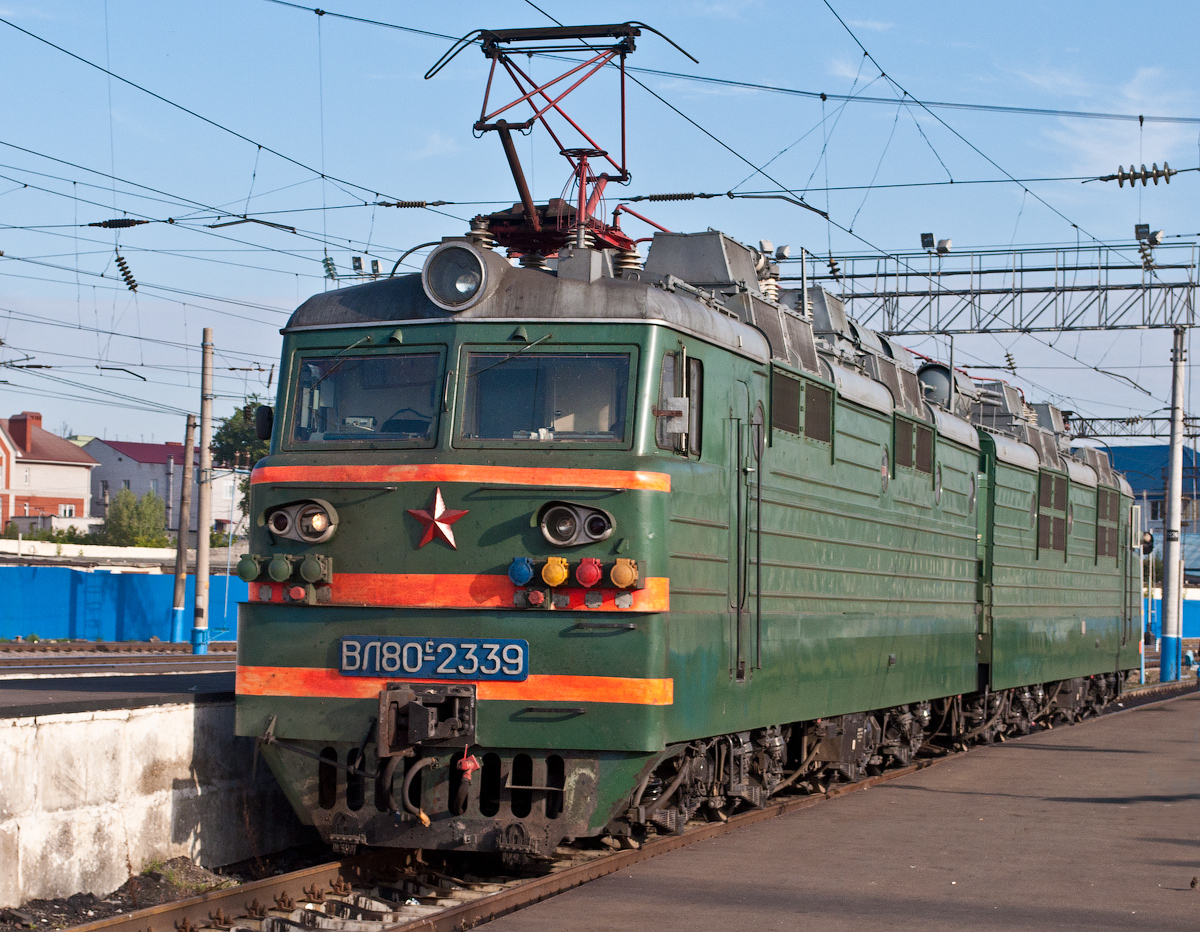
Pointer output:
1026, 290
1120, 428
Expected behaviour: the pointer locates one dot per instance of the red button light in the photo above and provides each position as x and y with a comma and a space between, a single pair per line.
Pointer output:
297, 593
536, 597
589, 572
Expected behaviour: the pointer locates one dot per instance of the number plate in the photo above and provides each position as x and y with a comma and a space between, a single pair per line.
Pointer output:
434, 658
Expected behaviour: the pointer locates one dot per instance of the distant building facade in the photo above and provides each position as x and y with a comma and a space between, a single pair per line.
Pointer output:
46, 478
1145, 467
158, 468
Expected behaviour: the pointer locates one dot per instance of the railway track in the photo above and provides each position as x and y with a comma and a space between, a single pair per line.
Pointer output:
109, 648
379, 891
78, 661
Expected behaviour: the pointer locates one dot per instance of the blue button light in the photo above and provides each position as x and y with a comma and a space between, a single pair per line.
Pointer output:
520, 571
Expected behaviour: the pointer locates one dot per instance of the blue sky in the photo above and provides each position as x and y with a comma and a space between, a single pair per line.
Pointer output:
351, 97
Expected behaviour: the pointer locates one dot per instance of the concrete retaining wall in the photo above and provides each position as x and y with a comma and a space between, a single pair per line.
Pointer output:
86, 799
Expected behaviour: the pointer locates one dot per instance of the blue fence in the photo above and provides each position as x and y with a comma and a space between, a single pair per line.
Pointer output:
59, 602
1191, 618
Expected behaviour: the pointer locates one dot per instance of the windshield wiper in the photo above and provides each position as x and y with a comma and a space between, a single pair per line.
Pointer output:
527, 346
334, 368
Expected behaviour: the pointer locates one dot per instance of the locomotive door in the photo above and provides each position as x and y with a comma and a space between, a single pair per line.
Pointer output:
746, 435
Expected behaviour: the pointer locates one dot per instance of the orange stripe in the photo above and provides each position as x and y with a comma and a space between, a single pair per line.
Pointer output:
465, 590
305, 682
456, 472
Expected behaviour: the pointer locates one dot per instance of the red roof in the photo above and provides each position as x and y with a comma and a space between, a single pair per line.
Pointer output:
151, 452
47, 447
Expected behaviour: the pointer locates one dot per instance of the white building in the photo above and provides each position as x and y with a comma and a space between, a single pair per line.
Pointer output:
158, 468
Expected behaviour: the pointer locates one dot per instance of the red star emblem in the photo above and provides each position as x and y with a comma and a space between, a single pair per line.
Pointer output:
437, 519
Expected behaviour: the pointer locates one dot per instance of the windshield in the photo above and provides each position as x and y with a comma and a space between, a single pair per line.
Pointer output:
577, 397
376, 398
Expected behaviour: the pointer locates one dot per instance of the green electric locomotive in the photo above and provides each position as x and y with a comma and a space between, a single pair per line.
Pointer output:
546, 553
554, 544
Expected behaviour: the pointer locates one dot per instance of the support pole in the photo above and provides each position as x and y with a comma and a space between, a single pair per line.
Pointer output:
170, 500
804, 284
1172, 622
1142, 600
184, 524
204, 522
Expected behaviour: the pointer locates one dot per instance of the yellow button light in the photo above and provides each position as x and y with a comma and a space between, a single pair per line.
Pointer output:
624, 574
555, 572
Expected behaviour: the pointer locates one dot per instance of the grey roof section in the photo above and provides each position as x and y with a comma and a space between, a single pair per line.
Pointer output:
529, 294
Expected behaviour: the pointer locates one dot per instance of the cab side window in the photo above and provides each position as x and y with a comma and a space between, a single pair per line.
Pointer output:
679, 412
695, 393
665, 439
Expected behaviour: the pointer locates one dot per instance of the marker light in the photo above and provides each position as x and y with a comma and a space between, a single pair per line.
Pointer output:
279, 569
311, 569
555, 572
589, 572
520, 571
248, 568
624, 574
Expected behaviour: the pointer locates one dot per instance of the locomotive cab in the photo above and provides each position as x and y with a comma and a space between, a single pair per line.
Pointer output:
469, 646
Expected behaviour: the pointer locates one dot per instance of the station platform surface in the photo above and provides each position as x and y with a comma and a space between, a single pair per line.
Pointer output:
94, 690
1092, 827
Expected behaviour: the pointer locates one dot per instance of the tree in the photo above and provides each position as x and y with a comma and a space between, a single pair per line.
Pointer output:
236, 435
236, 439
136, 522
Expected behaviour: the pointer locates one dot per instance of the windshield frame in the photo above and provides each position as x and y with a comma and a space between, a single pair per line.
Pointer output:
301, 355
462, 392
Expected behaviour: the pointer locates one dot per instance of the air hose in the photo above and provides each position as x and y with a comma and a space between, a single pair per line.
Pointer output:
408, 779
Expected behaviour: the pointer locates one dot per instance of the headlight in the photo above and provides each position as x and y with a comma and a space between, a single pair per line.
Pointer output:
454, 276
314, 524
560, 525
567, 524
311, 522
597, 526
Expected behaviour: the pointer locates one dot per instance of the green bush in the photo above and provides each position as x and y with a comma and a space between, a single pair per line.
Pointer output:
222, 539
136, 522
71, 535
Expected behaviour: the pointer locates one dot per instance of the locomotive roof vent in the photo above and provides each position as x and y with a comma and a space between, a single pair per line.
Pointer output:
702, 259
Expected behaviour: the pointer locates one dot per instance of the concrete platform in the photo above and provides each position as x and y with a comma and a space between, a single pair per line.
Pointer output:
119, 688
1092, 827
140, 768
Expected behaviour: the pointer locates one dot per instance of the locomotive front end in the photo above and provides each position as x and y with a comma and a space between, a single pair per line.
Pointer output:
455, 632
